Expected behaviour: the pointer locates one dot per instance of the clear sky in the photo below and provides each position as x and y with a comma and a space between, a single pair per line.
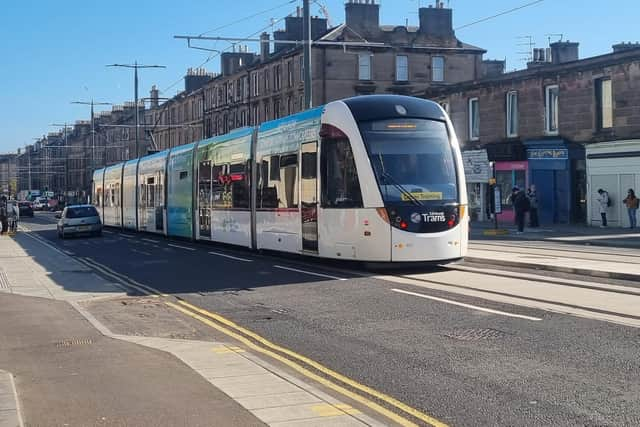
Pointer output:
55, 52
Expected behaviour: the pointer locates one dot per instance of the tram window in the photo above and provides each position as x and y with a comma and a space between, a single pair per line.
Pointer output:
309, 167
143, 195
274, 172
184, 175
340, 184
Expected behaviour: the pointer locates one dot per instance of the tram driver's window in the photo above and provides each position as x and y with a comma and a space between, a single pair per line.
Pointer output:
340, 185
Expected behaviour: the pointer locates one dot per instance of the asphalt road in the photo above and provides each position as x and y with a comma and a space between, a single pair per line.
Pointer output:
462, 365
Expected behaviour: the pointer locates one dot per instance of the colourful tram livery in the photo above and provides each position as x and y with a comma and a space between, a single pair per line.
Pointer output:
374, 178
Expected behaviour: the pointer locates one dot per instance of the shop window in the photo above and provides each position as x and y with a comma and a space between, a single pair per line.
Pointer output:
474, 119
512, 114
551, 110
604, 104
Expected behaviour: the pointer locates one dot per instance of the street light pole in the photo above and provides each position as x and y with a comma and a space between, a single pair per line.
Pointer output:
135, 67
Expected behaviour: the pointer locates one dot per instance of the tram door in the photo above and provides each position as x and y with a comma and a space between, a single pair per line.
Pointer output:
308, 197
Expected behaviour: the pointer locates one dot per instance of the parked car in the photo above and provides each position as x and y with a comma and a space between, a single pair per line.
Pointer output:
25, 209
79, 219
40, 203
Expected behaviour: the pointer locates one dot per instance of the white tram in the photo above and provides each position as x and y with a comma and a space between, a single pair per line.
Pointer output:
374, 178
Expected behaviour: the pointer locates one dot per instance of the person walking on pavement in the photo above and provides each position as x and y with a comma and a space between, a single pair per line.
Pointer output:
4, 214
603, 203
533, 208
521, 206
631, 201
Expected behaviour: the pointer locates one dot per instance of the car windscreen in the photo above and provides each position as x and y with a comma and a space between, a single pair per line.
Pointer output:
81, 212
412, 159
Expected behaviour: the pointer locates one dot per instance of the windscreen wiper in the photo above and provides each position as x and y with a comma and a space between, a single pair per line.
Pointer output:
402, 189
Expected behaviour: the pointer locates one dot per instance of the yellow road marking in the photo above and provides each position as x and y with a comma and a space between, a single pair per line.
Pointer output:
372, 405
328, 410
375, 393
358, 398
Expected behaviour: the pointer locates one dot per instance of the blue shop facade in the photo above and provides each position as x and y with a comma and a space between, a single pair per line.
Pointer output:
557, 168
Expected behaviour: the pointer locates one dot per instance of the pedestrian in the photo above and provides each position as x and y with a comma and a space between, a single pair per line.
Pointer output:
13, 212
521, 206
603, 203
631, 201
3, 215
533, 206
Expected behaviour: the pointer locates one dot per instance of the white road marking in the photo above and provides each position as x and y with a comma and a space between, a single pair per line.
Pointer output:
149, 240
309, 272
125, 236
181, 247
473, 307
107, 231
232, 257
68, 252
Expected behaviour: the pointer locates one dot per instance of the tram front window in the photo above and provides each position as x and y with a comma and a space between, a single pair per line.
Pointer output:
413, 161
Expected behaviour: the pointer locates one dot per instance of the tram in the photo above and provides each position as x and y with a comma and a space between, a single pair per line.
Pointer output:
375, 178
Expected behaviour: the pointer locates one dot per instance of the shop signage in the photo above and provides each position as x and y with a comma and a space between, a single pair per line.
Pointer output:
547, 154
476, 166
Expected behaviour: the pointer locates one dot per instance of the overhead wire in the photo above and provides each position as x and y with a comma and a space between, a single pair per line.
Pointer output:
499, 14
249, 17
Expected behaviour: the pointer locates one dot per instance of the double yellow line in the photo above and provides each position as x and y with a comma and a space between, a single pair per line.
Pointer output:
402, 413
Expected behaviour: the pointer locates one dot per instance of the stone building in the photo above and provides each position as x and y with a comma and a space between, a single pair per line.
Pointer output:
535, 125
8, 174
356, 58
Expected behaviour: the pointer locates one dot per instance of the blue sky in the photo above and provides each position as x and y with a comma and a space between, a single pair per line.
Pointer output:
55, 52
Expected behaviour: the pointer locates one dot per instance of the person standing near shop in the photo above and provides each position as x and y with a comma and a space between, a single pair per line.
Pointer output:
631, 202
603, 203
533, 206
521, 206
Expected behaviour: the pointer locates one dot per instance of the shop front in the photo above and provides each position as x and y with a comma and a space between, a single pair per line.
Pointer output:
614, 167
557, 169
508, 175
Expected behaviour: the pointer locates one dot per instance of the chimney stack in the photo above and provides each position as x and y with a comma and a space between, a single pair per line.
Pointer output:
562, 52
620, 47
154, 95
264, 47
363, 18
436, 21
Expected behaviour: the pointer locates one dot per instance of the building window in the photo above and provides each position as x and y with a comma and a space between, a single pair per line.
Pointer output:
290, 73
276, 108
437, 68
301, 64
551, 109
402, 68
474, 119
364, 66
277, 77
512, 114
255, 119
604, 104
266, 81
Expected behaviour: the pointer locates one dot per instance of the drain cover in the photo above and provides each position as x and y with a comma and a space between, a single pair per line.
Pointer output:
475, 334
76, 341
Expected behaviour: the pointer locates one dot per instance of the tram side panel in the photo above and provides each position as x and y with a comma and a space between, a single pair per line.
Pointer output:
112, 196
151, 203
279, 221
352, 220
129, 204
180, 191
224, 194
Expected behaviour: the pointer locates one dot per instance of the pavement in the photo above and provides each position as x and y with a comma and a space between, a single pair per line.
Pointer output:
578, 250
465, 346
69, 368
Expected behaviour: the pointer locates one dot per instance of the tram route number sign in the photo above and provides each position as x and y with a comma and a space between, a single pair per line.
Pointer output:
497, 200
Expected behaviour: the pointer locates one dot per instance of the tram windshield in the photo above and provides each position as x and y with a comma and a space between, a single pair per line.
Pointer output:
412, 159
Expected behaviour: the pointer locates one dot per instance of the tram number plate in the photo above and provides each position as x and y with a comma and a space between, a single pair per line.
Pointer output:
423, 196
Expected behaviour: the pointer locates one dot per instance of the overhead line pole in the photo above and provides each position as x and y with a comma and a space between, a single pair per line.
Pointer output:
135, 67
306, 35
